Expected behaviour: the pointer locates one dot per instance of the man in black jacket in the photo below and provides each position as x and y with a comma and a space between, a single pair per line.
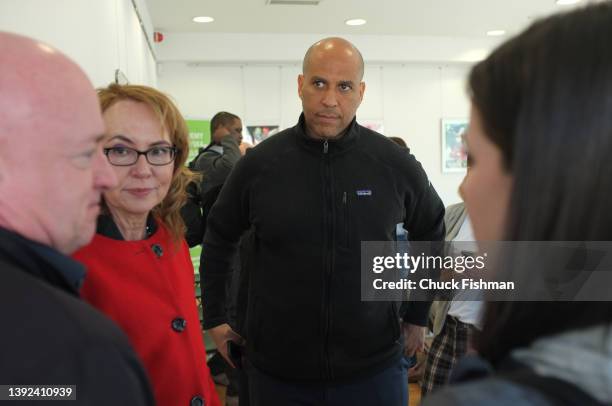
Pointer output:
310, 195
52, 174
218, 159
214, 163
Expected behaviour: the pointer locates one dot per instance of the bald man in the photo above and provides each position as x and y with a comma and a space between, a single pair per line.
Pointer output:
52, 174
310, 195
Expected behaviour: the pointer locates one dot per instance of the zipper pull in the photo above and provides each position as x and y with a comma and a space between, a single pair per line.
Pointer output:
325, 147
344, 198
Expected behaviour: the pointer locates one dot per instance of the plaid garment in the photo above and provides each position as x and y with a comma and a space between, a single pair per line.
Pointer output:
446, 348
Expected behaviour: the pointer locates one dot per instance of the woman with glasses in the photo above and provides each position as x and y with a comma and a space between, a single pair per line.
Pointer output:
139, 269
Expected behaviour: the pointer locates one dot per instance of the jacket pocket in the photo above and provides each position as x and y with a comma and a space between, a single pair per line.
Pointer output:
363, 332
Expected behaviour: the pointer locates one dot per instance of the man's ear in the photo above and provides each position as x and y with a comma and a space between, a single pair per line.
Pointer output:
300, 84
361, 90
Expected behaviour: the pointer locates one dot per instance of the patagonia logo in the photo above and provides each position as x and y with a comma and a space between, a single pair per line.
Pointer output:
364, 192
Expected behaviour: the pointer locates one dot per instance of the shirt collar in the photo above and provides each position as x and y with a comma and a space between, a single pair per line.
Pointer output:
216, 148
108, 228
42, 260
334, 145
71, 270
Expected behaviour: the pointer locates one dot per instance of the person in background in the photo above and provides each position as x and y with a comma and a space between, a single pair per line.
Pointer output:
140, 271
402, 238
217, 160
456, 321
52, 174
540, 137
310, 195
213, 164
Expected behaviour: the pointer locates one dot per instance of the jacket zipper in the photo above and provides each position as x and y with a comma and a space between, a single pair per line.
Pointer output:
328, 266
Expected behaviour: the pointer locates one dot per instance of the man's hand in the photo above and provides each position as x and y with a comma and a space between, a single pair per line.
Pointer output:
237, 136
414, 338
221, 335
221, 133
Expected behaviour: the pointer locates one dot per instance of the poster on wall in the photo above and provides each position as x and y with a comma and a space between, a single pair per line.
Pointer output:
199, 136
374, 125
258, 133
454, 152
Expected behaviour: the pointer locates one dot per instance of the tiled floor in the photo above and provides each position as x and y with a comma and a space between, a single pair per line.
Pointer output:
415, 394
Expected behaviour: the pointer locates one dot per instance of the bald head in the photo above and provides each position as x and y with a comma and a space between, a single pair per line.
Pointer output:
331, 87
51, 163
37, 83
334, 47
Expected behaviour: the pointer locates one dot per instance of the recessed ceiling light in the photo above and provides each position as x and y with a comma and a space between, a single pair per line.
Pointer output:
567, 2
355, 21
496, 33
203, 19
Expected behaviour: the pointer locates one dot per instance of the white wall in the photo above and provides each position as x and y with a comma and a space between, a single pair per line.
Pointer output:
289, 48
411, 83
100, 35
409, 99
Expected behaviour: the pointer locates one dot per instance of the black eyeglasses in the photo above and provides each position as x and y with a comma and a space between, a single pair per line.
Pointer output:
126, 156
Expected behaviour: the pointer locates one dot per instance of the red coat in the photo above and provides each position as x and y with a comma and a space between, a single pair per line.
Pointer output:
147, 287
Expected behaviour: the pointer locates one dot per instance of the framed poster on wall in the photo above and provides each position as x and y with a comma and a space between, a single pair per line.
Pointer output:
454, 152
258, 133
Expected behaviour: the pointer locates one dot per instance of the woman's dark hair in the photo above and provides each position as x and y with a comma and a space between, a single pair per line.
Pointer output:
545, 100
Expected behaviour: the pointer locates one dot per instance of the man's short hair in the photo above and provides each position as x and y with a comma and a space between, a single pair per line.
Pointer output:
399, 141
222, 118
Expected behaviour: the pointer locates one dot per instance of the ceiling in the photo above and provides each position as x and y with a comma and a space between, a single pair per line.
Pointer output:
455, 18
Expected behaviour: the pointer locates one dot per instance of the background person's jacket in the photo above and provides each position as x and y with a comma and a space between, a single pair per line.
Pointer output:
214, 163
310, 203
453, 219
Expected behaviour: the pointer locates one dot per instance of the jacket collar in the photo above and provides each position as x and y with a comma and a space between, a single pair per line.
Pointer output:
334, 146
216, 148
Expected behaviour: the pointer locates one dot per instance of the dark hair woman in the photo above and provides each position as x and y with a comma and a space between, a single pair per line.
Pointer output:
540, 139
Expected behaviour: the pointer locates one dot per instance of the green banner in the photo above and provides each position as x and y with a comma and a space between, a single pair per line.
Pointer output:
195, 257
199, 136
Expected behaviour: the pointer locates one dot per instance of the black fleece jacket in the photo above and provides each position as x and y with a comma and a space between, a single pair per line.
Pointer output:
309, 204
